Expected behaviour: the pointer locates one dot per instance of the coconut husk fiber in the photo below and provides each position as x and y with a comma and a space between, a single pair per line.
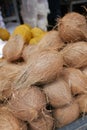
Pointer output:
3, 62
28, 51
73, 27
44, 67
27, 103
75, 55
58, 93
84, 70
51, 40
8, 72
76, 80
44, 122
82, 102
66, 115
13, 48
9, 122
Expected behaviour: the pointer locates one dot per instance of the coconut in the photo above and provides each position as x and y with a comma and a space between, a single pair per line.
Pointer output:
76, 80
58, 93
43, 67
28, 51
66, 115
8, 72
44, 122
9, 122
13, 48
84, 70
26, 103
51, 40
75, 55
2, 62
72, 27
82, 101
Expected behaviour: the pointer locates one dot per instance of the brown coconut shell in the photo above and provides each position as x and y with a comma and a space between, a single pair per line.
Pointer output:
51, 40
44, 122
76, 80
82, 102
44, 67
73, 27
66, 115
58, 93
75, 55
8, 72
26, 103
13, 48
9, 122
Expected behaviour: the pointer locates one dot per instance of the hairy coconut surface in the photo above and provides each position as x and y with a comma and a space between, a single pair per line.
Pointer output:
8, 72
43, 68
75, 55
2, 62
58, 93
51, 40
26, 103
13, 48
84, 70
82, 102
43, 122
9, 122
76, 80
66, 115
72, 27
28, 51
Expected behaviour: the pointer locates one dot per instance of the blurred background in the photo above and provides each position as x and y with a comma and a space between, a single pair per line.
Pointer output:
40, 13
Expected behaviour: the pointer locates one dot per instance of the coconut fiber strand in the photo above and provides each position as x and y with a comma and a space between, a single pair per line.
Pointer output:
43, 68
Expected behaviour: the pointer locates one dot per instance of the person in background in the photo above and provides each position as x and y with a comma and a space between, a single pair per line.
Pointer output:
55, 12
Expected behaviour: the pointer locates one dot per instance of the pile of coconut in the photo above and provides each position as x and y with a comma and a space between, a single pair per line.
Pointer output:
44, 86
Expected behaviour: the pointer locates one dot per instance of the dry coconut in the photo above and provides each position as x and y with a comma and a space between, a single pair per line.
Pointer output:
44, 122
82, 101
75, 55
8, 72
13, 48
28, 51
84, 70
73, 27
9, 122
26, 103
66, 115
51, 40
58, 93
76, 80
44, 67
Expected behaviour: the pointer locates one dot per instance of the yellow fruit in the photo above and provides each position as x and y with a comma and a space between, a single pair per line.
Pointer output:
35, 40
4, 34
36, 31
29, 26
24, 31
